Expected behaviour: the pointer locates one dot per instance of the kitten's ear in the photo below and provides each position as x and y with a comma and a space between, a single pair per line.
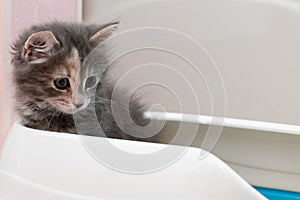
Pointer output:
103, 33
39, 47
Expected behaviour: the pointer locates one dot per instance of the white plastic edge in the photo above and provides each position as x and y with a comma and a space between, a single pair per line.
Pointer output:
227, 122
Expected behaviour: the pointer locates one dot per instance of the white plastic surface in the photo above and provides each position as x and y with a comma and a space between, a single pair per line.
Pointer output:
46, 165
263, 153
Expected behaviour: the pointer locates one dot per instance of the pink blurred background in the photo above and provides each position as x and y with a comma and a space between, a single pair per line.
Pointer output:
15, 16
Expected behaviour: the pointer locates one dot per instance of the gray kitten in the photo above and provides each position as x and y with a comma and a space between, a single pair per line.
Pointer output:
60, 76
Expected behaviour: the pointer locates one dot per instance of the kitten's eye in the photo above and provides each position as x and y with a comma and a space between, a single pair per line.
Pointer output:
90, 81
62, 83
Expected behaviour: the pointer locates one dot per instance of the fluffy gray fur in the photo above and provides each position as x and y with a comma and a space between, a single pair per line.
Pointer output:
38, 58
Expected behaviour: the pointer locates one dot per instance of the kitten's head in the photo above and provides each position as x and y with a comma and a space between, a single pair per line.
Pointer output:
50, 65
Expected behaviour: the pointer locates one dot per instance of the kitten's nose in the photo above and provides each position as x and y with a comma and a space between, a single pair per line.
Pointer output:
78, 105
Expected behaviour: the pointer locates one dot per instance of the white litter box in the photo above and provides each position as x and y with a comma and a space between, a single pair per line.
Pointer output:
263, 153
45, 165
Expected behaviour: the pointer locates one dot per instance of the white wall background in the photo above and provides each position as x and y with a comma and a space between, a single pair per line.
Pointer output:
255, 43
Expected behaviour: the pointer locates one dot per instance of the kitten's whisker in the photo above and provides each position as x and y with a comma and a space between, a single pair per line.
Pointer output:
53, 114
105, 101
108, 100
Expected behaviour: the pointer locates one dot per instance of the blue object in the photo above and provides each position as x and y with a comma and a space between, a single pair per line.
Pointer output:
274, 194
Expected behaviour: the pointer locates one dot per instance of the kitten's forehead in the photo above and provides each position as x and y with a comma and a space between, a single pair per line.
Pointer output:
71, 65
95, 63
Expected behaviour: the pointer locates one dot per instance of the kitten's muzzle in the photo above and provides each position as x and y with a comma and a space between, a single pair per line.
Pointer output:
78, 105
